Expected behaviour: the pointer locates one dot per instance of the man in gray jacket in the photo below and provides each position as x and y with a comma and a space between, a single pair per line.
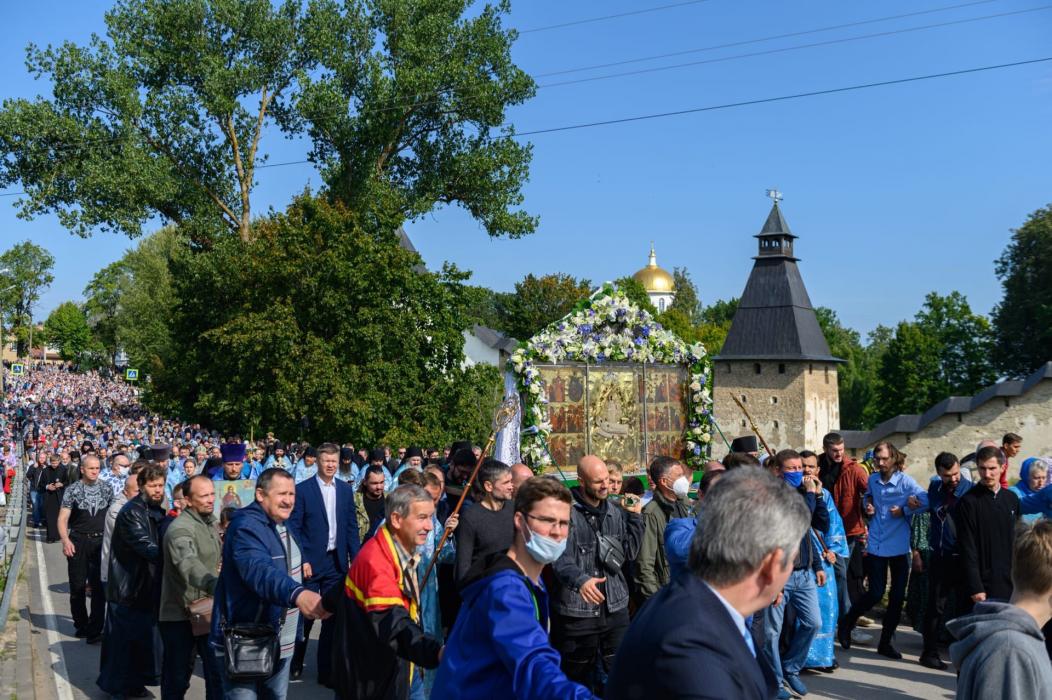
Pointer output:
191, 552
590, 595
1000, 652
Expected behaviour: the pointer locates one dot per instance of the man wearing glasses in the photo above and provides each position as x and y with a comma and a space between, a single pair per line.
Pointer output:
500, 638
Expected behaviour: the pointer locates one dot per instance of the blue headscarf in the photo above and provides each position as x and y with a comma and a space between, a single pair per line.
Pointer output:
1024, 475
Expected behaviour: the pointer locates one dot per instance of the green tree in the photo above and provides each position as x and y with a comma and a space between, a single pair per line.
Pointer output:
636, 293
358, 340
877, 342
909, 372
408, 110
966, 344
102, 302
1022, 321
163, 117
854, 386
148, 300
28, 274
716, 323
67, 329
487, 307
538, 301
686, 299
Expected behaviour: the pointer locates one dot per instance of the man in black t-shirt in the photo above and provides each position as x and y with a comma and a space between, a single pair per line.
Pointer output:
81, 522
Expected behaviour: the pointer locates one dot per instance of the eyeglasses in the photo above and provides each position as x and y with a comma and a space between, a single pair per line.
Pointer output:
550, 522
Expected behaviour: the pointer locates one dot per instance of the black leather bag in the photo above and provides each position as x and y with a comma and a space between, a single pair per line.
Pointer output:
611, 553
252, 648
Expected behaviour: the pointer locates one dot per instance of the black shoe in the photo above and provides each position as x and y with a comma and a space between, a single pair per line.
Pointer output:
95, 639
889, 651
932, 661
140, 693
843, 633
836, 665
295, 673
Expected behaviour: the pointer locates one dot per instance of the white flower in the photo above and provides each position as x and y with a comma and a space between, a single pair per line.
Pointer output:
695, 385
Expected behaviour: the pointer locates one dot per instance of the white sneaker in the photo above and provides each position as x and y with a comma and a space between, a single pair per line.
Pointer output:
860, 637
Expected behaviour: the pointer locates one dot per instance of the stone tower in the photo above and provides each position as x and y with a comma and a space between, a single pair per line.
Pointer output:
775, 359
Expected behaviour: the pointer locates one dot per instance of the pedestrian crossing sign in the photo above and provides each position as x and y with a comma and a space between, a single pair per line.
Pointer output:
18, 369
131, 375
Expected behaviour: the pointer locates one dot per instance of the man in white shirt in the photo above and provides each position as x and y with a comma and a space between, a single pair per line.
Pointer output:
324, 524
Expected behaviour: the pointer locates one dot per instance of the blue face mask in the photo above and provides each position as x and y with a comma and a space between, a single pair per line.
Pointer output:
544, 550
794, 479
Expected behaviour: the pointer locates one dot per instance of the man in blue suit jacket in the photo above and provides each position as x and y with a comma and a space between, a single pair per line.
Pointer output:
691, 635
324, 523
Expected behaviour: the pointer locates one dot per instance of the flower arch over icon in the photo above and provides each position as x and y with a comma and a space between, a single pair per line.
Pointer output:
608, 327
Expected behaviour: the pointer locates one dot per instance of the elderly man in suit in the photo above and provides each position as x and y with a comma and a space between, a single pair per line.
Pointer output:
691, 636
323, 522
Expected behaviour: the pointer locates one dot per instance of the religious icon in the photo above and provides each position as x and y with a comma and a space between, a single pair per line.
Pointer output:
576, 388
556, 415
557, 389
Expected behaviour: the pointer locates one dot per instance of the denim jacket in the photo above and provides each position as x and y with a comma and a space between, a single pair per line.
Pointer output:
580, 561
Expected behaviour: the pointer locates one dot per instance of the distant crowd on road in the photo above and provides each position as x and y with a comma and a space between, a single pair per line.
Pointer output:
735, 586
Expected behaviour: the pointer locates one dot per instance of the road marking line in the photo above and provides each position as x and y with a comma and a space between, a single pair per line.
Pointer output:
54, 642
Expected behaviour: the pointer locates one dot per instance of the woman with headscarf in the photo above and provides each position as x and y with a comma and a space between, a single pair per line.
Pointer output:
1033, 476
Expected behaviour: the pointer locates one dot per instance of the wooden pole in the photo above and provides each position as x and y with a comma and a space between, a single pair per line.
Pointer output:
460, 503
752, 424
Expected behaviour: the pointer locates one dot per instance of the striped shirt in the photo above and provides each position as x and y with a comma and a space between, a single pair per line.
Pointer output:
287, 636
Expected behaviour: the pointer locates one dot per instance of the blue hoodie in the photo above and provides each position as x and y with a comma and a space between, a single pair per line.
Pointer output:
678, 534
499, 642
254, 576
1022, 489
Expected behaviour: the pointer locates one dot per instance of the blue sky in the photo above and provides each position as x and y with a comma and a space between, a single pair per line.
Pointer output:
894, 191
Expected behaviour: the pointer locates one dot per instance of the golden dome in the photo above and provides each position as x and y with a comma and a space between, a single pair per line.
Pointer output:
653, 278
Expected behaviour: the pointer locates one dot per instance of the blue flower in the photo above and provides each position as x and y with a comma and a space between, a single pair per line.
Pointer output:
697, 450
600, 357
584, 328
646, 331
638, 340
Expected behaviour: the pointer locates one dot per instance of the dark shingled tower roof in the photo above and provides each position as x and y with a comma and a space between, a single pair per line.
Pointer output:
775, 320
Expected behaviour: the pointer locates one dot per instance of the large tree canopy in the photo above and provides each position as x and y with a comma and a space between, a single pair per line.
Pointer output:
28, 273
326, 317
408, 111
67, 329
1023, 320
161, 118
164, 117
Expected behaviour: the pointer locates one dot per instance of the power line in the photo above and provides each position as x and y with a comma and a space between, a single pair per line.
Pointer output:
618, 15
781, 98
797, 47
759, 40
729, 105
436, 97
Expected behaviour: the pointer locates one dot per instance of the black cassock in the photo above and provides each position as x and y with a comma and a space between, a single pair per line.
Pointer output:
53, 499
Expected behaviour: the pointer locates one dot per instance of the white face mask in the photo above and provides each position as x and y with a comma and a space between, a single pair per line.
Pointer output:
681, 487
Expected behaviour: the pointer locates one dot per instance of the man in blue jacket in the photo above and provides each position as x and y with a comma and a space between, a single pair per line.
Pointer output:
261, 581
690, 639
324, 523
499, 641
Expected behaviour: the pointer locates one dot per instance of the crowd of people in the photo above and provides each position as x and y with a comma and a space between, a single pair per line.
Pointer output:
736, 586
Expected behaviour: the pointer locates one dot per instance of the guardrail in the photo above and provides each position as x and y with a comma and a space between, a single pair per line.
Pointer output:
13, 533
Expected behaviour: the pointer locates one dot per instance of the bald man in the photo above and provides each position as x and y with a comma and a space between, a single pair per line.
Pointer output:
590, 592
519, 474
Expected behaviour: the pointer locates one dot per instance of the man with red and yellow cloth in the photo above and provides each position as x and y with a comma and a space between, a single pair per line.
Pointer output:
379, 642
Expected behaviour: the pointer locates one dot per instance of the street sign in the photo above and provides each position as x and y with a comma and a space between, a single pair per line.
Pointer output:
132, 375
18, 369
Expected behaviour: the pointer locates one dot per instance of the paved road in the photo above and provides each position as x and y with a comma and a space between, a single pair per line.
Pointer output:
65, 668
863, 674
